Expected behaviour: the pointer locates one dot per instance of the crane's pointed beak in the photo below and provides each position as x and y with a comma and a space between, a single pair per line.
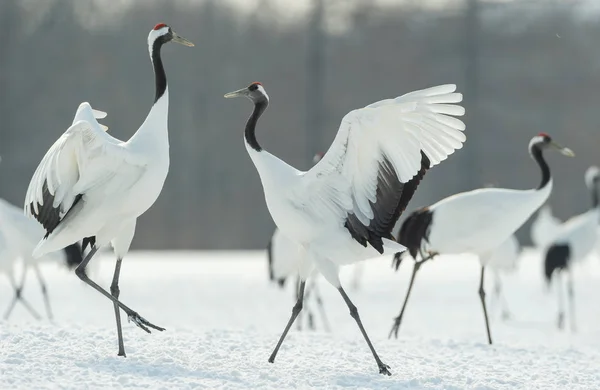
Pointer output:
181, 40
564, 151
239, 93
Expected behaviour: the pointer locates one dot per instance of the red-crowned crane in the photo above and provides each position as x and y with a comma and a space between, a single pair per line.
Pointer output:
343, 209
476, 222
91, 186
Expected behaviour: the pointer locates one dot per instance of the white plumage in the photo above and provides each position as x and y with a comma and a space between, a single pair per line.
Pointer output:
504, 258
92, 186
343, 209
544, 227
503, 261
477, 221
21, 235
574, 240
284, 261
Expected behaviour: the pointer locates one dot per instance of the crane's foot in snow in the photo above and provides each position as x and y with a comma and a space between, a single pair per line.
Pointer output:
384, 369
142, 322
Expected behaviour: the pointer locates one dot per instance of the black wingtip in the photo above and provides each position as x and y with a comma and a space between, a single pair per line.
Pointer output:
415, 230
91, 241
391, 200
73, 255
557, 258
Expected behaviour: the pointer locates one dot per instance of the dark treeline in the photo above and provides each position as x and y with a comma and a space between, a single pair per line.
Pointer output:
527, 66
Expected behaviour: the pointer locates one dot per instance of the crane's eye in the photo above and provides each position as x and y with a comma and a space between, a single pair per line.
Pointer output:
253, 87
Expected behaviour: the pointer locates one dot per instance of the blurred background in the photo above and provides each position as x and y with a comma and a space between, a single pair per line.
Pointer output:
523, 66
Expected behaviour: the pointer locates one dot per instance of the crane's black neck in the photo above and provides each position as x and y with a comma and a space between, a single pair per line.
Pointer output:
538, 156
160, 78
259, 107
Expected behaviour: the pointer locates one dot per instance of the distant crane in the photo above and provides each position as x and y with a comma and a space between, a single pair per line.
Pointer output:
476, 221
343, 209
573, 242
544, 227
21, 235
92, 186
504, 260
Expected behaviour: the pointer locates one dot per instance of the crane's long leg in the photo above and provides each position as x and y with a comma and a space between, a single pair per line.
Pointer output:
40, 279
398, 320
19, 297
132, 315
571, 293
505, 314
482, 297
114, 290
309, 313
383, 368
321, 308
561, 308
500, 298
295, 311
297, 291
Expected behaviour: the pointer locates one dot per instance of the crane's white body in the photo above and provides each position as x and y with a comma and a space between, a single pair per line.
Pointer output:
544, 227
286, 259
580, 233
310, 207
504, 258
285, 256
118, 180
481, 220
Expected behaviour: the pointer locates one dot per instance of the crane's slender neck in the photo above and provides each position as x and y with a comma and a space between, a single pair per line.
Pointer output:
538, 156
160, 78
153, 133
250, 133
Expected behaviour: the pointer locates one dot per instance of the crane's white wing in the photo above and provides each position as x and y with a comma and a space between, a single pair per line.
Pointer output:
377, 159
85, 162
545, 227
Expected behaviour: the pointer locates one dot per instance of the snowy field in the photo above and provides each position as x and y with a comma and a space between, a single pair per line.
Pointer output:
223, 318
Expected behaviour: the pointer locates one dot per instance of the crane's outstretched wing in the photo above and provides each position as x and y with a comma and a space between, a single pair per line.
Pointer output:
544, 227
85, 162
377, 159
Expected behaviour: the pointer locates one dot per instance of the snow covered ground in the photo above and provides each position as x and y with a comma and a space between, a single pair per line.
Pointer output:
223, 318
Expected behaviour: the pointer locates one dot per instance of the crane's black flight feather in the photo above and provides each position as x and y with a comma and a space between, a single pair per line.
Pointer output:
391, 200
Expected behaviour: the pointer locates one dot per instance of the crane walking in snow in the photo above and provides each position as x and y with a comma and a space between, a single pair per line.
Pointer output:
91, 186
343, 209
21, 235
574, 240
476, 222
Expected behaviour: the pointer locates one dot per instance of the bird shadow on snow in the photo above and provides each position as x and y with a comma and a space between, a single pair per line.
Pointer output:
164, 368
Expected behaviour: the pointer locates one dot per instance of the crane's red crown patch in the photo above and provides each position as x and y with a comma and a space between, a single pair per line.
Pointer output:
159, 26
